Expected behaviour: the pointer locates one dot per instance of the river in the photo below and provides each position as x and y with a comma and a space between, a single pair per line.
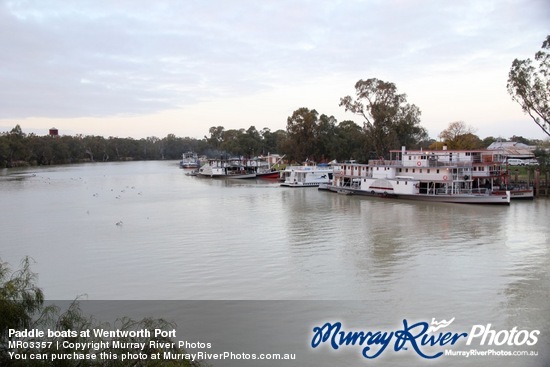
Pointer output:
146, 231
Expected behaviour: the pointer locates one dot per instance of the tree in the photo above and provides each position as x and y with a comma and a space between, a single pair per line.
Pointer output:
18, 151
269, 141
460, 136
529, 85
324, 136
301, 128
20, 298
520, 139
172, 147
272, 142
22, 307
4, 150
349, 140
230, 142
216, 136
250, 143
490, 140
390, 121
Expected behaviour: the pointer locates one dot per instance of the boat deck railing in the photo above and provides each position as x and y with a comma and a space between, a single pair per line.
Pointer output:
427, 163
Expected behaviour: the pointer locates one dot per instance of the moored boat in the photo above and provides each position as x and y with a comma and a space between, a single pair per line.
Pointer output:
189, 160
262, 167
232, 168
441, 176
307, 176
517, 193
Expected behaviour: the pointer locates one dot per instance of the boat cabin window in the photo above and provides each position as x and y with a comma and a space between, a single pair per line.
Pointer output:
437, 171
428, 170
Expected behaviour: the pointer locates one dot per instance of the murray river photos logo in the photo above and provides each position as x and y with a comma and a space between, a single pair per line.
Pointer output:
428, 340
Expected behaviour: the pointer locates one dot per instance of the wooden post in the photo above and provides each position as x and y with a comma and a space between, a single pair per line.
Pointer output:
537, 182
546, 184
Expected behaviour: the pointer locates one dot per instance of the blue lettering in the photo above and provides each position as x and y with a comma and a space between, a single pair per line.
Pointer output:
442, 339
351, 337
378, 338
414, 335
405, 335
322, 336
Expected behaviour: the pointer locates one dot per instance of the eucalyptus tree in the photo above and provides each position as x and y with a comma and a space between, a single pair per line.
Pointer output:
95, 147
4, 150
269, 141
349, 141
389, 121
326, 144
529, 85
61, 149
273, 142
150, 147
231, 141
173, 147
250, 142
41, 148
17, 149
216, 136
301, 130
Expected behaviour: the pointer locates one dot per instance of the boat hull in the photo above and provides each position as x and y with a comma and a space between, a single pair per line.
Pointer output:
441, 198
236, 176
242, 176
518, 194
300, 184
269, 175
189, 166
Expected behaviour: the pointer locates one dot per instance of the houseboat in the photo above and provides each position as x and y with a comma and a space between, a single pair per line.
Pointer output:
467, 177
230, 168
307, 176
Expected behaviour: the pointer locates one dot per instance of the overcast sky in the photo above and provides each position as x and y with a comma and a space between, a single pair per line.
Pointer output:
143, 68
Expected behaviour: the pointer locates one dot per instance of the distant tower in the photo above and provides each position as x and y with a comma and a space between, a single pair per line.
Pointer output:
54, 132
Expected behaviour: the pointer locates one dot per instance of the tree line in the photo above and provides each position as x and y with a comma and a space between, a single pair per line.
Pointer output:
388, 122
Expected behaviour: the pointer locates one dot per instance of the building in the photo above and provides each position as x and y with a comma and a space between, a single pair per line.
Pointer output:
512, 149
